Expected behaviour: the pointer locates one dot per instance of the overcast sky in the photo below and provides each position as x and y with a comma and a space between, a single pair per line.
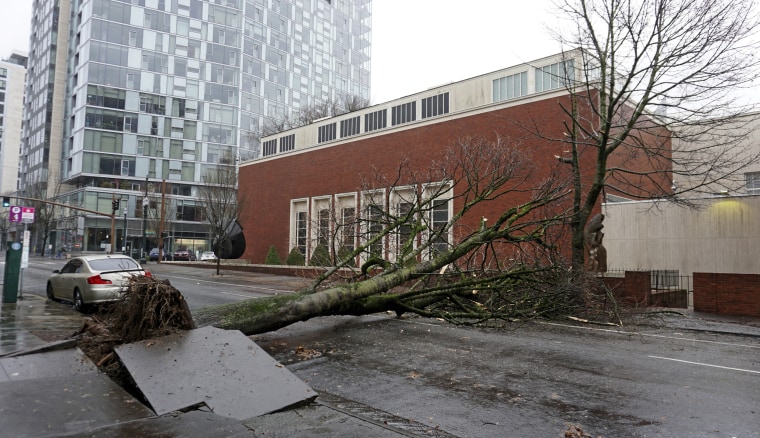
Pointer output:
416, 44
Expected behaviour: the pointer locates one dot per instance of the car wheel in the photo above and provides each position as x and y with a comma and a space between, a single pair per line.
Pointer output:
79, 305
50, 292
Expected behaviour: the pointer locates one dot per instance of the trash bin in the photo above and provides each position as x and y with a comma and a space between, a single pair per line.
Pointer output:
12, 272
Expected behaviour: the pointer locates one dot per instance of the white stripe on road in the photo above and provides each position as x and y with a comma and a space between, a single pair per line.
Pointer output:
705, 364
229, 284
649, 335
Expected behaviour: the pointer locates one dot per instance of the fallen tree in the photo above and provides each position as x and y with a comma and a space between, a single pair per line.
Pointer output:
504, 269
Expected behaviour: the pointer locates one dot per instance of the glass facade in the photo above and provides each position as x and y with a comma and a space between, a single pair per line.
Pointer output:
164, 90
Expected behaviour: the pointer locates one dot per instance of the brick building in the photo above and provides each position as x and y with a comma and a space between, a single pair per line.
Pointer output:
311, 178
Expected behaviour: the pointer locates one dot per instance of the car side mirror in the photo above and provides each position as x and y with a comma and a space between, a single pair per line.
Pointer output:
57, 271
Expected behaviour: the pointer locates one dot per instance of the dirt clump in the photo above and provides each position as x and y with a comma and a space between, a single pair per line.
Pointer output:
150, 308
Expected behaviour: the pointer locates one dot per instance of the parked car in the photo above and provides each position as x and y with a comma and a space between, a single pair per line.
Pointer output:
208, 256
153, 256
93, 279
184, 255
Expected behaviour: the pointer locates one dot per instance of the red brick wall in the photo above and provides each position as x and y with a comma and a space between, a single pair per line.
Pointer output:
633, 290
267, 187
727, 294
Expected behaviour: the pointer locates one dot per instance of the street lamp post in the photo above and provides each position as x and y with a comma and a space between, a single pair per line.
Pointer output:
124, 246
145, 218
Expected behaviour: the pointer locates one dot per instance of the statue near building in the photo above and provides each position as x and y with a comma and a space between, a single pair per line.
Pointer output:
597, 253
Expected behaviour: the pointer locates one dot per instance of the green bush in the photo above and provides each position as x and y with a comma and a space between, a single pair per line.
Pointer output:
320, 256
295, 258
343, 254
272, 257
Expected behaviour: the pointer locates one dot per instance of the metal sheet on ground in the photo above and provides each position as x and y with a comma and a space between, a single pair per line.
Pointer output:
221, 368
54, 406
50, 364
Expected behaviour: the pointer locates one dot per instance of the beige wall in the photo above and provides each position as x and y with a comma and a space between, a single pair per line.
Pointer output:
722, 236
11, 130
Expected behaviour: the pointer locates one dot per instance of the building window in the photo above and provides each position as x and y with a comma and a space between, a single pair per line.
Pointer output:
347, 230
554, 76
350, 127
301, 231
326, 133
509, 87
323, 227
270, 147
376, 120
439, 219
435, 105
288, 143
373, 215
404, 113
753, 182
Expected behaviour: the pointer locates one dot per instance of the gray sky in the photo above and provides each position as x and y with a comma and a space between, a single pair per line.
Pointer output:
416, 44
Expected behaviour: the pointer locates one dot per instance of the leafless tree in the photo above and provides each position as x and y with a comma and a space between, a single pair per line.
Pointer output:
403, 258
223, 206
44, 213
309, 113
658, 82
160, 212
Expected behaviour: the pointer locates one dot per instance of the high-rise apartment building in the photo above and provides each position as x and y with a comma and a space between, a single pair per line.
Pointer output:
12, 76
164, 91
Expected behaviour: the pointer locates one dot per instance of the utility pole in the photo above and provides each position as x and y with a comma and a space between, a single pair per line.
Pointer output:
124, 247
145, 217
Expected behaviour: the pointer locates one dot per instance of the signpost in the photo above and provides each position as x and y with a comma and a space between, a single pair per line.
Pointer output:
23, 215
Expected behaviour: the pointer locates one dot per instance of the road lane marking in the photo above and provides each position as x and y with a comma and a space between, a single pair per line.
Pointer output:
255, 288
705, 364
649, 335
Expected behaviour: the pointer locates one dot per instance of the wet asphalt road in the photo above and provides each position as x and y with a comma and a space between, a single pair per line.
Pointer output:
532, 381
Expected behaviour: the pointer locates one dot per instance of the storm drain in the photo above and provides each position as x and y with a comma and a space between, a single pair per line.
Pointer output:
381, 418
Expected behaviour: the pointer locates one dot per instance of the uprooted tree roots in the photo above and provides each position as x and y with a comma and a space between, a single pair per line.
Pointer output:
150, 308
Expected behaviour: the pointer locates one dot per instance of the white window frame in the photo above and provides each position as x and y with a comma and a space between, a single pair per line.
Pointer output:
398, 197
752, 182
445, 192
299, 206
319, 204
368, 198
344, 201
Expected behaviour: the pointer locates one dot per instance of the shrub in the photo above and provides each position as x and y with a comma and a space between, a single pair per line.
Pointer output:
320, 256
272, 257
343, 254
295, 258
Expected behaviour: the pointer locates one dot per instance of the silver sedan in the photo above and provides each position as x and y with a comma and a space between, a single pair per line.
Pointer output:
93, 279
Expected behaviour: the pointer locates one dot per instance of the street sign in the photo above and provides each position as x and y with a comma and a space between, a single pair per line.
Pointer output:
21, 214
27, 215
15, 213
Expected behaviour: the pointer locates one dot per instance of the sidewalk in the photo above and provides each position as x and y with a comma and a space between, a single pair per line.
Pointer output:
34, 323
46, 387
43, 382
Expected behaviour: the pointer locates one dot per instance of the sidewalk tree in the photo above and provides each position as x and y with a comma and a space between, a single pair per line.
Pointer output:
647, 64
446, 270
161, 210
223, 207
44, 214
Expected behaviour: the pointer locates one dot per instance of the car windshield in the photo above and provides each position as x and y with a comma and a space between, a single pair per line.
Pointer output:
118, 264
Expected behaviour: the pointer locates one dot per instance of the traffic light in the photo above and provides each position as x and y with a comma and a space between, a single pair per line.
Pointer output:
115, 205
6, 201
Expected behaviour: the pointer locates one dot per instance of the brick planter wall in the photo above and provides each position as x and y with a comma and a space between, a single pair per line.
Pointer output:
727, 294
634, 289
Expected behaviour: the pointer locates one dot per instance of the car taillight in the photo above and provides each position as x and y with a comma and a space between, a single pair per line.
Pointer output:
97, 279
148, 274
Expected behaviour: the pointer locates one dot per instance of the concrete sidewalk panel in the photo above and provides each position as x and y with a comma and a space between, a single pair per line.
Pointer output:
55, 406
51, 364
221, 368
193, 424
